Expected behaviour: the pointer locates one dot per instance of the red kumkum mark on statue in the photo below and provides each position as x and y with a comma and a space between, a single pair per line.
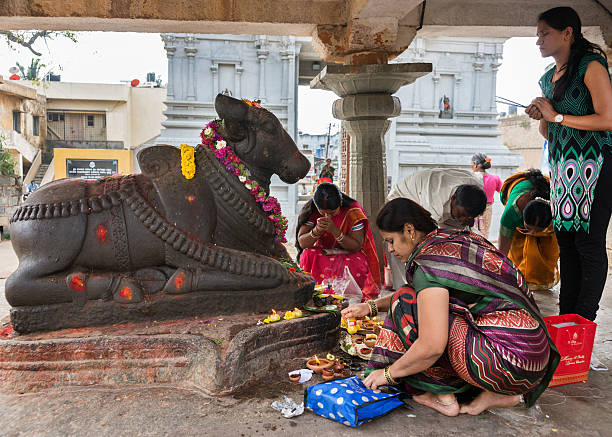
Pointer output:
101, 232
77, 284
126, 293
179, 281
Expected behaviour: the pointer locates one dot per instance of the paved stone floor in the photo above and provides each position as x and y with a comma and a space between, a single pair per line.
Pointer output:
571, 410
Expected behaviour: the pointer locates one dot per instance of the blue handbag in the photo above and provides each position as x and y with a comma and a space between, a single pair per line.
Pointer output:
349, 402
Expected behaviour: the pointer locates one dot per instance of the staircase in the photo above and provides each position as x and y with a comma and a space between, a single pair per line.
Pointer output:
40, 173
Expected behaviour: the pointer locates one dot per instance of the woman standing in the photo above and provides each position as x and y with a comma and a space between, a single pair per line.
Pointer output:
491, 183
333, 232
466, 319
575, 116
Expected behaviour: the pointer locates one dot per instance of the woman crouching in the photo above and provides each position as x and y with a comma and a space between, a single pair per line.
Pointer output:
465, 318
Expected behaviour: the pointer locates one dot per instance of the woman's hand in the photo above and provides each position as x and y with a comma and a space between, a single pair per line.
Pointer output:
375, 379
326, 223
533, 112
357, 311
545, 108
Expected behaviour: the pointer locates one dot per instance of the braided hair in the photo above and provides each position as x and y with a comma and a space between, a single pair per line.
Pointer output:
561, 18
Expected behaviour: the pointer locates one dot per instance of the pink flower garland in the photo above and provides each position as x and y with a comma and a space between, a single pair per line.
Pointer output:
226, 156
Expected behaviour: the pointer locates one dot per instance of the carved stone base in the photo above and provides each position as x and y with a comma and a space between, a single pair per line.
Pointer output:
162, 307
220, 355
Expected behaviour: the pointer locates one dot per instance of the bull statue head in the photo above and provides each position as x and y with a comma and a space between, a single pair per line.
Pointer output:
260, 141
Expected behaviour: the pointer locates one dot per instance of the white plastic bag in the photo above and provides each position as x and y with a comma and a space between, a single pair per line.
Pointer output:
346, 286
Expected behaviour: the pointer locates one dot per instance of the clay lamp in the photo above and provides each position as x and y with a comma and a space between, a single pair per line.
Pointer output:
365, 351
318, 364
327, 374
294, 377
370, 342
297, 312
338, 366
345, 373
359, 340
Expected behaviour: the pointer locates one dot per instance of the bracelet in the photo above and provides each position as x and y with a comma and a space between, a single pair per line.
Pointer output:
313, 235
340, 237
373, 308
390, 380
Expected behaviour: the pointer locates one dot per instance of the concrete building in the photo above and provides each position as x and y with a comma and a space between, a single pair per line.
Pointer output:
103, 116
22, 123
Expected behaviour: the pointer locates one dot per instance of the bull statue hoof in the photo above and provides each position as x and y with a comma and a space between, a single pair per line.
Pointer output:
157, 244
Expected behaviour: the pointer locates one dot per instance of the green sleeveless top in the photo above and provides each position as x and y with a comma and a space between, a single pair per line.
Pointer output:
575, 156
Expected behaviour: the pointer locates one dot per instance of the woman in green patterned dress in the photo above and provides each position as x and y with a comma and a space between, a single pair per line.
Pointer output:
575, 116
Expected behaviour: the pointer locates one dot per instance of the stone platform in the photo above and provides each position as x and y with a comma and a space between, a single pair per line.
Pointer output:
219, 355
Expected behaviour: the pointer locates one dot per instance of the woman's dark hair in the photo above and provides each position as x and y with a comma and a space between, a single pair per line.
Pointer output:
537, 213
561, 18
327, 196
481, 161
394, 214
540, 186
472, 198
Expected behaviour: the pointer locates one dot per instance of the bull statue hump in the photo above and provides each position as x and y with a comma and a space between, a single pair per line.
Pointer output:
156, 244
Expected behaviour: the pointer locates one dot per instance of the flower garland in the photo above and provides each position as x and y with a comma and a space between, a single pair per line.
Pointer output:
188, 167
226, 156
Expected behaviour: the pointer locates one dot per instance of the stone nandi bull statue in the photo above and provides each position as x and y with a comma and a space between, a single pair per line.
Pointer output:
157, 245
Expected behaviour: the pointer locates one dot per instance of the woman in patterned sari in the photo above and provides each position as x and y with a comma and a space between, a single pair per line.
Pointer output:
464, 319
333, 232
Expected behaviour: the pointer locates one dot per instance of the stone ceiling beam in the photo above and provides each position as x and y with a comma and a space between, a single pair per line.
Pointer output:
372, 33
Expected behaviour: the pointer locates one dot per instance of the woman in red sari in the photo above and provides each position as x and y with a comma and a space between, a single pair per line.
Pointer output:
333, 232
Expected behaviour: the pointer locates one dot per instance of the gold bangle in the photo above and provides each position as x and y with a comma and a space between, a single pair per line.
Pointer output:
340, 237
389, 378
313, 235
373, 308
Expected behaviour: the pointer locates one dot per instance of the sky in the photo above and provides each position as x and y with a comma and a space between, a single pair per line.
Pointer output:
112, 57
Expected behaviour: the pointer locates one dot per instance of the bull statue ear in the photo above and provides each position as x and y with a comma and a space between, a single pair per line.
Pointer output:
234, 113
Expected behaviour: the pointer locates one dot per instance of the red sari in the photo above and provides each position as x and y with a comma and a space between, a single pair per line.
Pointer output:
363, 265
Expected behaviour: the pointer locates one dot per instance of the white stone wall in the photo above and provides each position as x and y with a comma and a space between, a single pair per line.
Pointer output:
465, 70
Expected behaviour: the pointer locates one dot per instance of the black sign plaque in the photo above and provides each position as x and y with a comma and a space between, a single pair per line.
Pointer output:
91, 168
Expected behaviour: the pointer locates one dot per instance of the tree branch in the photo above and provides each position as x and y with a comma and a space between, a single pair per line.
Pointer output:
20, 38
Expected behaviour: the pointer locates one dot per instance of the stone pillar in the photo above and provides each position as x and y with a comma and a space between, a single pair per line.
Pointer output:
238, 81
436, 98
169, 41
262, 54
191, 51
214, 69
365, 105
494, 66
476, 94
285, 56
456, 85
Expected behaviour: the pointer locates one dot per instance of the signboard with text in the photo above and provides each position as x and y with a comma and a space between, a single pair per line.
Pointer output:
91, 168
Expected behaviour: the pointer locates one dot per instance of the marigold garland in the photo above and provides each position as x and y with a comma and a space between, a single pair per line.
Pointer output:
226, 156
188, 167
254, 102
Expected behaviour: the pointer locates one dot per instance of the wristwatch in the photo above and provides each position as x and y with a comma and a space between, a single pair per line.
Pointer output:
559, 118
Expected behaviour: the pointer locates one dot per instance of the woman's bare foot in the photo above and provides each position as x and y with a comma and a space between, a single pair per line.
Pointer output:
488, 399
446, 404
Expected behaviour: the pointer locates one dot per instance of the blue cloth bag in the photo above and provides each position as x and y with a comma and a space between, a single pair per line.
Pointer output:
349, 402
